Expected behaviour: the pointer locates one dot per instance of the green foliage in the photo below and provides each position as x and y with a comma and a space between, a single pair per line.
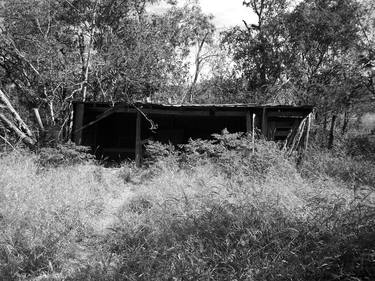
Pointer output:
233, 154
53, 52
360, 146
43, 214
312, 53
352, 161
64, 155
212, 210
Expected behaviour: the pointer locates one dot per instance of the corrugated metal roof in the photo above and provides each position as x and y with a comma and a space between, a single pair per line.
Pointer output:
196, 106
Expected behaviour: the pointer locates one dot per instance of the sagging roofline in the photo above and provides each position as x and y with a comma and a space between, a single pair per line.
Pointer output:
234, 106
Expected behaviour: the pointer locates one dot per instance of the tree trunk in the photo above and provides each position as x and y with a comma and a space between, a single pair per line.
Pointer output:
198, 62
325, 122
27, 140
86, 61
8, 105
345, 124
38, 119
331, 132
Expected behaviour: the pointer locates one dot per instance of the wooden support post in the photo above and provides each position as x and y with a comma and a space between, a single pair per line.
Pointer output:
253, 133
138, 141
308, 130
78, 122
248, 122
264, 123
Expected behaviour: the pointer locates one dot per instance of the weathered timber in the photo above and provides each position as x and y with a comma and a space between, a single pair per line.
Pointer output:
308, 131
98, 118
120, 130
264, 123
138, 141
248, 122
286, 114
78, 122
253, 133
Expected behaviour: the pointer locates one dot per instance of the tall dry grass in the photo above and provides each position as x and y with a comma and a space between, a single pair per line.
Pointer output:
211, 210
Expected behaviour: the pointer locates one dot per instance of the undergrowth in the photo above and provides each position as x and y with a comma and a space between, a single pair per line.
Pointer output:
208, 210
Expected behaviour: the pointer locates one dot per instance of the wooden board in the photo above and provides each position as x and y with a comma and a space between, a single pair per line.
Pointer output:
78, 122
138, 141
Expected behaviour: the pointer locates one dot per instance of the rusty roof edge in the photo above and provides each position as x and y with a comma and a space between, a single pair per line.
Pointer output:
230, 105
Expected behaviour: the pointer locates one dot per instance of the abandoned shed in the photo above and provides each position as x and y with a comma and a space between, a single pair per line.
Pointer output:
119, 130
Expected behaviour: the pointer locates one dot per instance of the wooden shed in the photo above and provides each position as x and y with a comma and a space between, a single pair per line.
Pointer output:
119, 130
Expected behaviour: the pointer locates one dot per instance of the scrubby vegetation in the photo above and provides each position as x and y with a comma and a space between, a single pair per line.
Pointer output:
211, 210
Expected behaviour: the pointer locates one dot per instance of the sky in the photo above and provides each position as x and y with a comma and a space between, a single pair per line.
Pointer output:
227, 13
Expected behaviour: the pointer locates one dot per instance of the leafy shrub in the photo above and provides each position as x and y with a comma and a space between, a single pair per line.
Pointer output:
233, 154
318, 162
360, 146
64, 155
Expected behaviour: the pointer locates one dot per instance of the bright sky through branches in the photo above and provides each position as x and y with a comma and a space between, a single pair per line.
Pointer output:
228, 13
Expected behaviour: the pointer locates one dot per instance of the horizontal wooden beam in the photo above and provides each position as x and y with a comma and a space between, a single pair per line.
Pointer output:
230, 113
287, 114
203, 113
119, 150
175, 112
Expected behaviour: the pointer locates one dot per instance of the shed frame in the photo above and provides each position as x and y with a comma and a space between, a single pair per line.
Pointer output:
93, 119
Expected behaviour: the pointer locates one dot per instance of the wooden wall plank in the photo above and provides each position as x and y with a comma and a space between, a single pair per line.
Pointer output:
78, 122
265, 123
248, 122
178, 112
138, 141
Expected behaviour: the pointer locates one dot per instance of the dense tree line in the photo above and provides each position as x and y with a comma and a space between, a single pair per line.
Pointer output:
56, 51
52, 52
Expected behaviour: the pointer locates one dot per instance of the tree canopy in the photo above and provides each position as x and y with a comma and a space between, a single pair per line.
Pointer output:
318, 52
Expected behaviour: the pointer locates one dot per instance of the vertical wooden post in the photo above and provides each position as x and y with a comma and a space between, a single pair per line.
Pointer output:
248, 122
253, 133
264, 123
138, 143
308, 130
78, 122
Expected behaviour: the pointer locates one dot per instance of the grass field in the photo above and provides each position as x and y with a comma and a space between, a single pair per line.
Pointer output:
214, 212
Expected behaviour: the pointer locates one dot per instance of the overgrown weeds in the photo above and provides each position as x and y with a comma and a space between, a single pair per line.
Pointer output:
209, 210
64, 155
